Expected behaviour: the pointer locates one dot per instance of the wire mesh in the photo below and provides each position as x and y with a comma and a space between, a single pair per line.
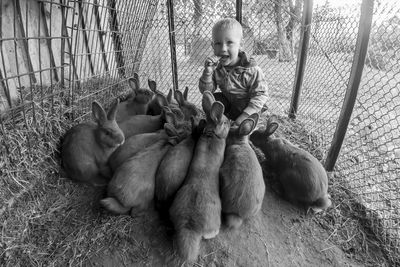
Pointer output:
59, 56
370, 155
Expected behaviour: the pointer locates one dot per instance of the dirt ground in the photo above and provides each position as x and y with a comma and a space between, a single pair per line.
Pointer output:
280, 235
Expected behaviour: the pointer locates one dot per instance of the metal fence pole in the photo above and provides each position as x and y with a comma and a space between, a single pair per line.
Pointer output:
239, 11
172, 43
302, 57
367, 7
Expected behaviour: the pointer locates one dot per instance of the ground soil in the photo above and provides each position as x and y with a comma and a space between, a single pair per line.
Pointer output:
280, 235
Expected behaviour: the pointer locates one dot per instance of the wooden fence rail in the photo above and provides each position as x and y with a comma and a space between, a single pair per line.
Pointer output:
48, 42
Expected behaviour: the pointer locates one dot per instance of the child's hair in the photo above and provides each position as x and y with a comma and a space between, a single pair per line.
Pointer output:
227, 23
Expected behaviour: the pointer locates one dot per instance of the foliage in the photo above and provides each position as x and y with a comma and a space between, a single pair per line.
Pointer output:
384, 44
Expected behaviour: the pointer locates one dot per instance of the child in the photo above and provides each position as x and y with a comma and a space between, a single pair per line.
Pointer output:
240, 79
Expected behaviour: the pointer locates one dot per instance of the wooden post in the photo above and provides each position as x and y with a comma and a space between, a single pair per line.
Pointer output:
239, 11
48, 40
302, 57
364, 30
85, 36
98, 27
172, 44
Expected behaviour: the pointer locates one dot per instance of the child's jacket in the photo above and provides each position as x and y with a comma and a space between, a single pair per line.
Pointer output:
244, 85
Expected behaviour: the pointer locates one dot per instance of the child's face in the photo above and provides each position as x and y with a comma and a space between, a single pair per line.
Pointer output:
226, 45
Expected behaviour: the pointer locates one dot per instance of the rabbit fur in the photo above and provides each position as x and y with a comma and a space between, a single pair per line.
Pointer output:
154, 107
242, 185
196, 209
137, 101
174, 166
188, 109
302, 177
131, 188
86, 147
147, 123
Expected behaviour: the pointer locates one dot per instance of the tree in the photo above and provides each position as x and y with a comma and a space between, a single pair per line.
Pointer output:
286, 19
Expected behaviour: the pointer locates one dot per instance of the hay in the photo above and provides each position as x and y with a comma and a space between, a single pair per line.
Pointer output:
49, 220
347, 220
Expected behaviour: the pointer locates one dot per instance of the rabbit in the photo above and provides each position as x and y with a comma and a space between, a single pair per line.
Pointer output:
302, 177
137, 101
131, 189
133, 145
154, 107
147, 123
86, 147
174, 166
242, 185
188, 109
196, 209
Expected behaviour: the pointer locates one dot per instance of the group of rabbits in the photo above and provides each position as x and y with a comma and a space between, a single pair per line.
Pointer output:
197, 171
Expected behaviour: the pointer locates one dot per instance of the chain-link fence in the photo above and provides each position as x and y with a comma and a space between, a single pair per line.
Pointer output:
58, 56
369, 162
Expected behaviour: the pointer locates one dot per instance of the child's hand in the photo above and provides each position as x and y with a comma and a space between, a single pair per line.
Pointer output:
241, 118
210, 64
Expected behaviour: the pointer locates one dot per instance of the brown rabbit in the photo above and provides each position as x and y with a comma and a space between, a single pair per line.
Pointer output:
132, 187
174, 166
154, 107
147, 123
133, 145
137, 101
242, 185
86, 147
188, 109
196, 209
303, 178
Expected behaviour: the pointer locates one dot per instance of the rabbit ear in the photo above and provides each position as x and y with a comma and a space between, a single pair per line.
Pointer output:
179, 97
98, 112
170, 129
169, 96
217, 110
136, 80
161, 100
247, 126
178, 114
207, 101
169, 115
152, 85
133, 85
271, 127
112, 113
185, 93
255, 117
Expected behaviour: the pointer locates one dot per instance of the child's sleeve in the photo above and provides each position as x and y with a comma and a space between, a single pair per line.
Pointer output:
258, 91
207, 82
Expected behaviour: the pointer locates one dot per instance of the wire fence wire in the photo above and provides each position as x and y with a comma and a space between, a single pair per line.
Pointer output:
59, 56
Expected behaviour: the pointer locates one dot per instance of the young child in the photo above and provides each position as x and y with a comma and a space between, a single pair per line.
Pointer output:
240, 79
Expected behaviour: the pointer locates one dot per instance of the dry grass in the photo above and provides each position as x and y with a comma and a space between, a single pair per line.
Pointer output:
49, 220
347, 221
